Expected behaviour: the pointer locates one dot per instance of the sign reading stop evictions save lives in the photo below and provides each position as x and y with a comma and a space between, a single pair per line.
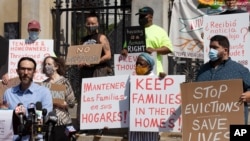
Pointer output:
37, 50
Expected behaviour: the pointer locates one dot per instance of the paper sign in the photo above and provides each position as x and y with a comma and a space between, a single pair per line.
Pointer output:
105, 102
6, 127
209, 108
155, 103
90, 53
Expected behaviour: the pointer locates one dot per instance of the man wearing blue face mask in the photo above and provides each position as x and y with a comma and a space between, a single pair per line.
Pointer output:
221, 67
34, 29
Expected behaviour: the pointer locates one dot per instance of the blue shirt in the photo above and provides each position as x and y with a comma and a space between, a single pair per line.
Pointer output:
229, 69
14, 95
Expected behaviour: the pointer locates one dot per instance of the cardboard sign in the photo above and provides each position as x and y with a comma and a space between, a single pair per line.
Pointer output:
105, 102
90, 54
135, 39
12, 82
155, 103
57, 91
209, 108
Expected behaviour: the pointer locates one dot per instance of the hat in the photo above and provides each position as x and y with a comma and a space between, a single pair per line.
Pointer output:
147, 57
34, 25
145, 11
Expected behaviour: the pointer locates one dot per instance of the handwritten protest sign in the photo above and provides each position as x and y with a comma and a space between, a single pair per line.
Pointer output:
57, 91
135, 39
235, 27
37, 50
90, 53
12, 82
105, 102
208, 109
155, 103
6, 130
126, 65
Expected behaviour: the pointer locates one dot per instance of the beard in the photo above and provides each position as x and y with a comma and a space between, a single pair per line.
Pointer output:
25, 79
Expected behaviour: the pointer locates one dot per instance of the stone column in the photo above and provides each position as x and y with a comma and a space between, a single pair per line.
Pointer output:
39, 10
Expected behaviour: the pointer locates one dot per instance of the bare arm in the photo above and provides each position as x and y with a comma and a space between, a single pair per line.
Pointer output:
162, 51
106, 48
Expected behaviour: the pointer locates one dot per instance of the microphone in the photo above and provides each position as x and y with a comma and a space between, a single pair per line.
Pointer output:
39, 110
20, 111
44, 113
51, 120
70, 131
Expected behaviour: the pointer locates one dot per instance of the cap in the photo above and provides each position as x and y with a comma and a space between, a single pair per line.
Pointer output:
34, 25
145, 11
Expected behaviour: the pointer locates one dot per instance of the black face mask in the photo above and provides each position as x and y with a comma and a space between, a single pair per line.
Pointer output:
143, 21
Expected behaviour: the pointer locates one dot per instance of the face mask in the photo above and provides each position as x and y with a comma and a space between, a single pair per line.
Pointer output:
213, 54
92, 29
141, 70
33, 35
49, 70
143, 21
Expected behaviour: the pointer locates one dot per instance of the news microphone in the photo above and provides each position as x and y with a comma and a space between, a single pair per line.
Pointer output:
51, 120
39, 110
70, 131
31, 113
20, 111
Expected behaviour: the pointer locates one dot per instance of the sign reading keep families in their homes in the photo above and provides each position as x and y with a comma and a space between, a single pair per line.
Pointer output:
105, 102
209, 108
37, 50
235, 27
90, 53
155, 103
135, 39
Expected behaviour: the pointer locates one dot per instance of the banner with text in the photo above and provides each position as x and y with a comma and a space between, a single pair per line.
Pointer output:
209, 108
135, 39
126, 65
6, 130
105, 102
235, 27
155, 103
37, 50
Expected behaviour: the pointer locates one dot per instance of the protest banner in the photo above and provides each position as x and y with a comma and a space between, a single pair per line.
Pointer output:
12, 82
37, 50
6, 127
126, 65
235, 28
209, 108
57, 92
105, 102
135, 39
90, 53
155, 103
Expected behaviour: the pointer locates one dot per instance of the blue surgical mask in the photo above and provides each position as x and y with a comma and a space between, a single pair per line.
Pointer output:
33, 35
213, 54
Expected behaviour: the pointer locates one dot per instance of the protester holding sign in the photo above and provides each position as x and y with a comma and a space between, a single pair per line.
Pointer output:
157, 39
54, 69
221, 67
144, 66
94, 37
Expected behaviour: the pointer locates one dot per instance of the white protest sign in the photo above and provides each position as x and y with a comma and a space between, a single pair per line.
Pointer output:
235, 27
155, 103
6, 130
37, 50
105, 102
126, 65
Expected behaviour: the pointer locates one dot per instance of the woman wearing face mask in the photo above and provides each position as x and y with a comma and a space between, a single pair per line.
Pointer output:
144, 66
94, 37
54, 69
